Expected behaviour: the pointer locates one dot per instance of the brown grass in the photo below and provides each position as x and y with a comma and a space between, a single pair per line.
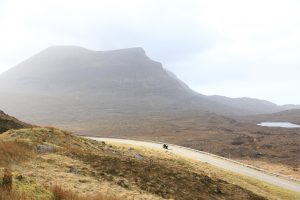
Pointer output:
207, 133
7, 180
98, 163
13, 152
11, 195
162, 177
6, 192
61, 194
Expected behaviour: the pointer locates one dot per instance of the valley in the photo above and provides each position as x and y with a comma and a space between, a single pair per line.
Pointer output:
125, 94
149, 100
275, 149
48, 163
47, 160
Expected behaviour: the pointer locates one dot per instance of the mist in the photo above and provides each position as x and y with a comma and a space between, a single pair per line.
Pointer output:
230, 48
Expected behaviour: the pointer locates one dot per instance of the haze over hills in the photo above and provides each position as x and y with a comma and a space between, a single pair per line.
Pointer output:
123, 93
283, 116
252, 105
68, 83
73, 79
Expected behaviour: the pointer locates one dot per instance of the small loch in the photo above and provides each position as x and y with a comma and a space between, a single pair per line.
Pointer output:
279, 124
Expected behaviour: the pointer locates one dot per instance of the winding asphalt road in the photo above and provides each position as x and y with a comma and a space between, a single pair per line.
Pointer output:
215, 160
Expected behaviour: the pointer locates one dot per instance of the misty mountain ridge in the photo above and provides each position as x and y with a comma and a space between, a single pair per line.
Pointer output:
65, 83
64, 68
251, 104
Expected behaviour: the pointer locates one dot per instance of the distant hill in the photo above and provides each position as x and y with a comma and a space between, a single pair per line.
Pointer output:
67, 84
7, 122
251, 105
283, 116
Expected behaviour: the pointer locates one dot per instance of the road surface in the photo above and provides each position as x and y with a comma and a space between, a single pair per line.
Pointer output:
220, 162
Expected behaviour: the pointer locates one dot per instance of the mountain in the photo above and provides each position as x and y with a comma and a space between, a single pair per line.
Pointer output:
7, 122
292, 116
251, 105
74, 69
68, 84
72, 83
123, 93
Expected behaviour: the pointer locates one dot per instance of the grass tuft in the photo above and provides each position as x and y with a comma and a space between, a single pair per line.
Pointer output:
61, 194
13, 152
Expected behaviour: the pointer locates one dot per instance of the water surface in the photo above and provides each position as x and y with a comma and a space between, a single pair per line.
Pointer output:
279, 124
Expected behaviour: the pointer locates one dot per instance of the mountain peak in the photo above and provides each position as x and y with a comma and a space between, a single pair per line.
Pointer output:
75, 68
122, 80
66, 48
139, 50
61, 49
134, 51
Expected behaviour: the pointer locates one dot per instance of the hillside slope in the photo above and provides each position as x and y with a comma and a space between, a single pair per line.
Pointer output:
51, 158
61, 82
7, 122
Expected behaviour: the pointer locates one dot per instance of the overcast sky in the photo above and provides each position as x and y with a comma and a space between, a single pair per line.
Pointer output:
234, 48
